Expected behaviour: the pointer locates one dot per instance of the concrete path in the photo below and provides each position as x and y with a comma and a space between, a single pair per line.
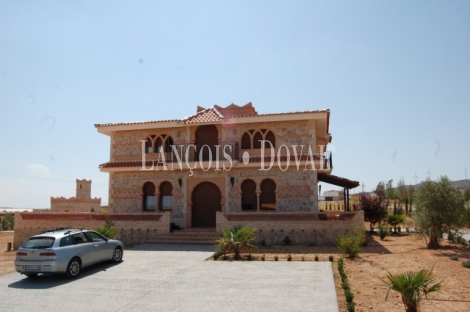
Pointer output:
176, 278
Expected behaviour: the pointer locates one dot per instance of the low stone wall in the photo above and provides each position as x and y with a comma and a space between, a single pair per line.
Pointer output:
130, 228
304, 228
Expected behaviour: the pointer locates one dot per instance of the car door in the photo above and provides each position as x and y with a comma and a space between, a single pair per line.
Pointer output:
85, 249
103, 250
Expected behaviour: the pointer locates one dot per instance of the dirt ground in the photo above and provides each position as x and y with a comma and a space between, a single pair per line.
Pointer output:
405, 252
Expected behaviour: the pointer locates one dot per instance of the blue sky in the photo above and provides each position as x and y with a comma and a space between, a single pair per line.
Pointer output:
395, 75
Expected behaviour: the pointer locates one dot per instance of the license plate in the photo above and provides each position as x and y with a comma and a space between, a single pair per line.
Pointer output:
32, 267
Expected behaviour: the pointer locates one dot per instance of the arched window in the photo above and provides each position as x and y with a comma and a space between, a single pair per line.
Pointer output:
149, 144
166, 202
249, 201
168, 144
149, 202
246, 141
269, 137
257, 140
159, 145
268, 195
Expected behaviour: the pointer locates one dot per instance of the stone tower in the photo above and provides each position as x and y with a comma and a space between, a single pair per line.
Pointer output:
83, 188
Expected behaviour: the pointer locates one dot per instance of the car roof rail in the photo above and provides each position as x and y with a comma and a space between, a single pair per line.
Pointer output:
56, 229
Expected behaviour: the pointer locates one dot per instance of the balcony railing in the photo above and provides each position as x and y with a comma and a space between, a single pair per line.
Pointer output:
192, 152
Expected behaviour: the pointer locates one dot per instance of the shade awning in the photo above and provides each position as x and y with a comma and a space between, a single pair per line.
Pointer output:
338, 181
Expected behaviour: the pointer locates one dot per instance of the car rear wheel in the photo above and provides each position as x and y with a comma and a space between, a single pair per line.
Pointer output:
117, 255
73, 269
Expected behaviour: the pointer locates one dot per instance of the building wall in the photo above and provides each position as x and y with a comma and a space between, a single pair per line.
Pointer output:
131, 228
302, 228
62, 204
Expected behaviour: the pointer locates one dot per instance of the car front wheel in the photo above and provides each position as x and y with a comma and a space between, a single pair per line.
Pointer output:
117, 255
73, 269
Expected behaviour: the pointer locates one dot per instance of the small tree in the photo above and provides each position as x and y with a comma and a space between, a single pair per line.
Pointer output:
380, 189
390, 191
375, 208
411, 286
439, 209
236, 238
395, 220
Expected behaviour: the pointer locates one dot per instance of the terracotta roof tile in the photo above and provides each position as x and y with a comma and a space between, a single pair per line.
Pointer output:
216, 114
206, 116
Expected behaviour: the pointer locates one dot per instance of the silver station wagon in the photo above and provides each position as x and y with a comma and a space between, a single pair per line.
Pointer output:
65, 251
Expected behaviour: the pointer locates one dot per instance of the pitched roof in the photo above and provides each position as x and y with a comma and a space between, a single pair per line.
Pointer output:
215, 114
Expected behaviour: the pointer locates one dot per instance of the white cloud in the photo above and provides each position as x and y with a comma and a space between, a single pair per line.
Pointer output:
41, 169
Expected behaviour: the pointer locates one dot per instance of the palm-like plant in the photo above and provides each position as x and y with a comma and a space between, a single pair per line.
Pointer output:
411, 286
236, 238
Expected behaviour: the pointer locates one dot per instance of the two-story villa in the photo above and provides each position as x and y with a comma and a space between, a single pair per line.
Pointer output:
221, 159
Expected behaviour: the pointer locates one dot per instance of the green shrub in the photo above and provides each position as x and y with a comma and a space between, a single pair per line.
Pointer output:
263, 257
216, 255
107, 230
348, 294
454, 257
351, 307
331, 258
466, 264
350, 246
289, 258
316, 258
382, 232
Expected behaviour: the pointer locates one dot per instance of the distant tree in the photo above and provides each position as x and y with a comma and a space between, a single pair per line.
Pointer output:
375, 208
395, 220
380, 189
411, 193
439, 209
466, 194
8, 222
390, 191
402, 191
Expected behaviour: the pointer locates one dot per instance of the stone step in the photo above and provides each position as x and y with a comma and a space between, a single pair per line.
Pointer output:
189, 236
176, 240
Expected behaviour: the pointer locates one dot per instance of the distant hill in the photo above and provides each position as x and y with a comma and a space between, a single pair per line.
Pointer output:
462, 184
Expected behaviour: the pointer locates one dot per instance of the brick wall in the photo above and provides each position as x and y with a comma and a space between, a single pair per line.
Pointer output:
130, 228
304, 228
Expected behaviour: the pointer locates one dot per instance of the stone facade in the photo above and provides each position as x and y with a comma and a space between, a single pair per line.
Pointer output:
132, 166
82, 202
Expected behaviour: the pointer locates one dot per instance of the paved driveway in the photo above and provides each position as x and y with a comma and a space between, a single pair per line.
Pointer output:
176, 278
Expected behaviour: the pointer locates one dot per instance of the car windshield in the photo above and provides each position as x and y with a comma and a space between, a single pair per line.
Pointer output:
39, 243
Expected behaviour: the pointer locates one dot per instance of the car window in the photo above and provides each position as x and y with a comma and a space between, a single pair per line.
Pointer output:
39, 242
95, 237
66, 241
79, 239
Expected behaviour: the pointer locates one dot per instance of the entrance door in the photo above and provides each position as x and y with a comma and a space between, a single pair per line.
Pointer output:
206, 201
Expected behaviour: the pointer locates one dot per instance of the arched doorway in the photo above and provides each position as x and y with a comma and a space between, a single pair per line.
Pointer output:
206, 135
206, 201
